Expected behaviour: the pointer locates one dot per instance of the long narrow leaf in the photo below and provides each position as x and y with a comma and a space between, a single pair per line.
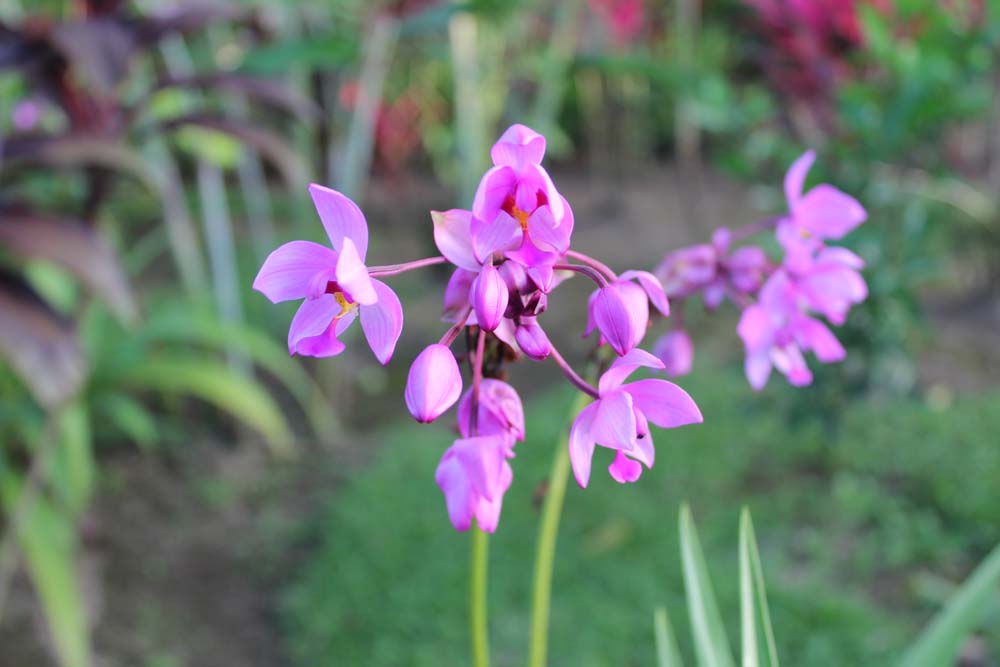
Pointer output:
941, 639
48, 541
215, 383
748, 614
173, 325
758, 574
711, 644
667, 653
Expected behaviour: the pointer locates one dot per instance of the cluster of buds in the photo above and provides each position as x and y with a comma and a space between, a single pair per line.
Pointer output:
510, 252
779, 299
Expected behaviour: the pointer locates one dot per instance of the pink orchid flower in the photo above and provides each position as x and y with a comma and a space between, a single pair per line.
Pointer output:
517, 209
776, 330
334, 284
823, 213
474, 475
619, 418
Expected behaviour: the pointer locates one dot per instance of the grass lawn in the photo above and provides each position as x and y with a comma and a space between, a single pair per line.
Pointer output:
865, 523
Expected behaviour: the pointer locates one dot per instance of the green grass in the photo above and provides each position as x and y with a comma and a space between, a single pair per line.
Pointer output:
864, 525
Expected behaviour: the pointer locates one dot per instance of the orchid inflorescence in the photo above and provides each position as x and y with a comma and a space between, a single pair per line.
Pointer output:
510, 252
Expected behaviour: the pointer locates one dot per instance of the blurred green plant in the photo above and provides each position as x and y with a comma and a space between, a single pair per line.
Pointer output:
90, 358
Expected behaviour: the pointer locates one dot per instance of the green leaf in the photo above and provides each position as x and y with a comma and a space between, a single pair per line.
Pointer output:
181, 325
940, 641
48, 541
130, 417
753, 596
711, 644
215, 383
667, 653
73, 468
748, 614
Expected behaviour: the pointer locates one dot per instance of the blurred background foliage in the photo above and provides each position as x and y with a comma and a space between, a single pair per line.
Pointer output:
152, 153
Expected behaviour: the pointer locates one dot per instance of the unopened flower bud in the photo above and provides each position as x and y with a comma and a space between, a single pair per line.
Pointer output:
434, 383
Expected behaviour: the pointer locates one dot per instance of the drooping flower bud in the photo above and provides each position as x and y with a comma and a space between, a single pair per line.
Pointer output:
434, 383
500, 411
676, 351
474, 475
532, 340
489, 297
621, 311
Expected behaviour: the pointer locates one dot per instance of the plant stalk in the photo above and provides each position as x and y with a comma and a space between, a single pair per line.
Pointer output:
478, 629
545, 552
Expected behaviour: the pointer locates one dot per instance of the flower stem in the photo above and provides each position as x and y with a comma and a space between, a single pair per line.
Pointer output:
478, 630
570, 374
545, 551
395, 269
452, 333
588, 271
590, 261
754, 228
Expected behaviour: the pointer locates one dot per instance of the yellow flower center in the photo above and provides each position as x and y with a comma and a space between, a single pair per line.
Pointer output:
346, 306
521, 217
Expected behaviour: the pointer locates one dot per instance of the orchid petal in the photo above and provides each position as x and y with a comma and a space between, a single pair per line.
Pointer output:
341, 218
382, 322
615, 425
829, 213
454, 483
756, 328
535, 173
311, 319
518, 146
453, 237
487, 511
795, 178
625, 366
816, 336
758, 368
623, 469
581, 444
654, 290
456, 294
352, 275
664, 403
496, 184
546, 233
676, 350
503, 233
790, 362
288, 272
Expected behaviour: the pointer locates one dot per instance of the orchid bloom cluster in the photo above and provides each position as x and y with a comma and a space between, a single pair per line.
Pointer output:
509, 253
782, 301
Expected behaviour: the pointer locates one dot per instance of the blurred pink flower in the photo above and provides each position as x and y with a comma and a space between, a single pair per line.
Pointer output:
776, 330
823, 213
676, 350
623, 18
